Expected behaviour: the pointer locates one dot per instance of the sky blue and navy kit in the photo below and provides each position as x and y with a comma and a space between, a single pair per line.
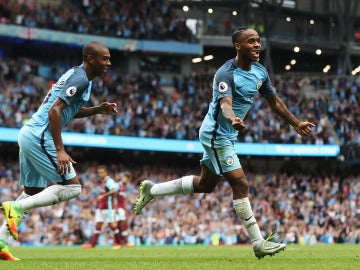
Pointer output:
217, 134
37, 155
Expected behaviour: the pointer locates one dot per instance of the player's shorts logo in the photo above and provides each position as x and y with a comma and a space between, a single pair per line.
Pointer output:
229, 161
258, 85
71, 91
223, 86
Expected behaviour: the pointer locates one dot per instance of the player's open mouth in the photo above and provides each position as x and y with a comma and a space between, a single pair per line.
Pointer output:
255, 53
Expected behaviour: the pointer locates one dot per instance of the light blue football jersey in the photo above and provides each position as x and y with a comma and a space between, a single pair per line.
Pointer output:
242, 86
74, 88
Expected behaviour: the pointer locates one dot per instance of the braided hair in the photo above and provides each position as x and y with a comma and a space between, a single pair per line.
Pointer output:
238, 32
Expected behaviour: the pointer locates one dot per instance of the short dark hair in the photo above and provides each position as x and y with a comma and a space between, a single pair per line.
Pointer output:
92, 48
127, 174
102, 167
238, 32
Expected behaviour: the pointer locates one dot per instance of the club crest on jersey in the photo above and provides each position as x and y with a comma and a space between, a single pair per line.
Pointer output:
223, 86
229, 161
71, 91
258, 85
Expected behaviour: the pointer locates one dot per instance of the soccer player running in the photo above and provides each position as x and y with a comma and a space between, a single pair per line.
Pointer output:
105, 210
234, 86
42, 155
120, 213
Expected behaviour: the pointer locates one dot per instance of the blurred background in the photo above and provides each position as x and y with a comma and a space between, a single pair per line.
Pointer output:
164, 55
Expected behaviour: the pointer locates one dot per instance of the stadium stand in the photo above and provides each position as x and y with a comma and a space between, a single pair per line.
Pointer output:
147, 109
153, 20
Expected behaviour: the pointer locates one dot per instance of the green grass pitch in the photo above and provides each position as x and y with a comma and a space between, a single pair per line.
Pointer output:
295, 257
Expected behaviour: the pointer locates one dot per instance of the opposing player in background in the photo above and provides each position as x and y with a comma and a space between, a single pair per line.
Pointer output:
120, 214
234, 86
105, 209
42, 154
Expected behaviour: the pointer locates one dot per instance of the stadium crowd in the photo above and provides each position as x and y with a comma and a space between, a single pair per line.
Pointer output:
152, 105
152, 20
304, 207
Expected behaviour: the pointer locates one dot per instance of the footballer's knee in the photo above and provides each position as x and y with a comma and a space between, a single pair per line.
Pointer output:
75, 189
244, 182
72, 181
207, 190
240, 187
32, 190
202, 187
70, 191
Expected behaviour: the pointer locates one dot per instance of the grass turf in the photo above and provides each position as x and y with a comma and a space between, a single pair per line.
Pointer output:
319, 257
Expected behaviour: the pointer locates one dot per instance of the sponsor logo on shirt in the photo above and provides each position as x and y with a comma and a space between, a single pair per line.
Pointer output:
223, 86
71, 91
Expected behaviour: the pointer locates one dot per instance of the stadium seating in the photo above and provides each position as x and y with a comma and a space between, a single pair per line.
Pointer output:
152, 20
150, 111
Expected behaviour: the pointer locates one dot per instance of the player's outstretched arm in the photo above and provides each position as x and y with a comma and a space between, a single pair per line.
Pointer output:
304, 128
107, 108
278, 106
103, 108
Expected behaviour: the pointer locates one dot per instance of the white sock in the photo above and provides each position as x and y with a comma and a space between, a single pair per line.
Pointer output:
4, 232
243, 209
51, 195
183, 185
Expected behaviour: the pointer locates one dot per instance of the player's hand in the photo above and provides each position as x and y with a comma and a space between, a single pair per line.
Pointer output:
238, 124
304, 128
108, 108
64, 162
